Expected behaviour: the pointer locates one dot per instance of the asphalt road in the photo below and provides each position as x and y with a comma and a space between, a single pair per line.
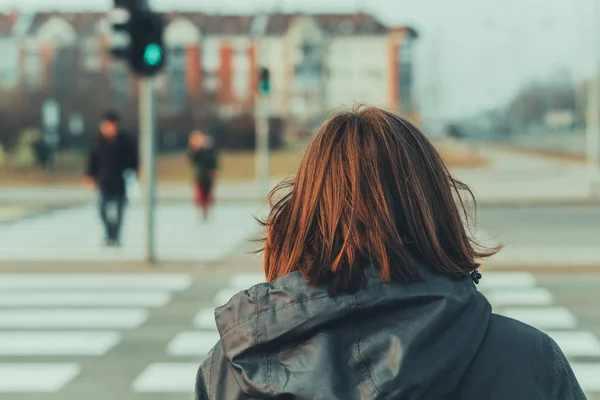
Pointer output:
157, 349
542, 225
129, 338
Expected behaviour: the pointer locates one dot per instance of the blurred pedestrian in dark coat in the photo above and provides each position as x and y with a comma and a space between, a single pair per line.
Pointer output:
111, 155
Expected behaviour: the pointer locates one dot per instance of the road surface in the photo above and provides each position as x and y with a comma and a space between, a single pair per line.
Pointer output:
142, 336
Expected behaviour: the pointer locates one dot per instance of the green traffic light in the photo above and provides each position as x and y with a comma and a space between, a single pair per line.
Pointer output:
264, 87
152, 55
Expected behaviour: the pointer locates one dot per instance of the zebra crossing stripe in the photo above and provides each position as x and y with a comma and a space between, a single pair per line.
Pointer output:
245, 281
492, 280
577, 343
543, 318
36, 378
94, 281
520, 296
223, 296
205, 319
57, 343
108, 318
194, 343
167, 378
587, 375
83, 299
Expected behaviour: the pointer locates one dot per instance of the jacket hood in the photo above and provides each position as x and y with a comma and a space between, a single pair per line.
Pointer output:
387, 341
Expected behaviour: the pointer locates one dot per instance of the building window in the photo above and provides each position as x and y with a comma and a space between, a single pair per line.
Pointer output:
33, 66
9, 63
211, 57
241, 72
62, 69
310, 68
176, 85
119, 82
91, 57
405, 72
211, 83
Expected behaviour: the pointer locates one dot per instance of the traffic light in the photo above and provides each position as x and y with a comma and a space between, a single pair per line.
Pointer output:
137, 37
264, 82
147, 47
120, 39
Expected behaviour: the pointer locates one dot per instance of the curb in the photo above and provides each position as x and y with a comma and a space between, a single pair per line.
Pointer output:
541, 202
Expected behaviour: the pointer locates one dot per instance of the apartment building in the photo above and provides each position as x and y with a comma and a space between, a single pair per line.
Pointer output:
318, 62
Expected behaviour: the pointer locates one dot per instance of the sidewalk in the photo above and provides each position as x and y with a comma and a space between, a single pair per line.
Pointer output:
516, 178
510, 178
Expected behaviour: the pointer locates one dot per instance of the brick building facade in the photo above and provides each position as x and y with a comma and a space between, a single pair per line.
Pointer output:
318, 62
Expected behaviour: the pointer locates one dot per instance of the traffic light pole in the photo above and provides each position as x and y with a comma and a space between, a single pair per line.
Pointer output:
262, 144
147, 115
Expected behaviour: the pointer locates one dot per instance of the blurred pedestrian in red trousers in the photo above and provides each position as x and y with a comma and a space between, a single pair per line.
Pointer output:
203, 157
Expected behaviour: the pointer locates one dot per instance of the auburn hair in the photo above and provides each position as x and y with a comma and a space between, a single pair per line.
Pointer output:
371, 189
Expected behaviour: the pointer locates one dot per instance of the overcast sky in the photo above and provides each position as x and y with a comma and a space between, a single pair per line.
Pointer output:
473, 54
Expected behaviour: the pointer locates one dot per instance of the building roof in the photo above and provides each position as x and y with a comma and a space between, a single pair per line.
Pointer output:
7, 21
85, 23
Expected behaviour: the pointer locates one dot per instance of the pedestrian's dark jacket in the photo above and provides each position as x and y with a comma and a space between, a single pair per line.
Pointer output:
427, 340
204, 162
108, 160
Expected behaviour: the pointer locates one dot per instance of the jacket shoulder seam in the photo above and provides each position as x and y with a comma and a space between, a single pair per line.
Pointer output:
358, 353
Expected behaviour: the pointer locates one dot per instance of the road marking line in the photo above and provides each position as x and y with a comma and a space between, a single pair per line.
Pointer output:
73, 318
167, 378
543, 317
492, 280
57, 343
587, 375
94, 281
515, 296
83, 299
36, 378
577, 343
193, 343
205, 319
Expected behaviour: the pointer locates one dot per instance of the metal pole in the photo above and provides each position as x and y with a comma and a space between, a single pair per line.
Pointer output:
593, 112
147, 115
261, 116
262, 143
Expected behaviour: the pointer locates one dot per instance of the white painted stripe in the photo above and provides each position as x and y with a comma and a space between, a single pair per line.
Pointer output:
56, 343
84, 299
205, 319
587, 375
93, 281
73, 318
167, 378
245, 281
36, 378
515, 296
94, 254
543, 317
223, 296
197, 343
577, 343
490, 280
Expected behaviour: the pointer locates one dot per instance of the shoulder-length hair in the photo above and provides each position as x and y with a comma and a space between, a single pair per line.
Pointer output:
370, 190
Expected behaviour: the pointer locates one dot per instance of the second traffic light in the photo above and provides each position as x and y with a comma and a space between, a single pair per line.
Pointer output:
264, 82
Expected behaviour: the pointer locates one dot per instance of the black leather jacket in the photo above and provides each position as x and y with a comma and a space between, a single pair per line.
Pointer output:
433, 339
